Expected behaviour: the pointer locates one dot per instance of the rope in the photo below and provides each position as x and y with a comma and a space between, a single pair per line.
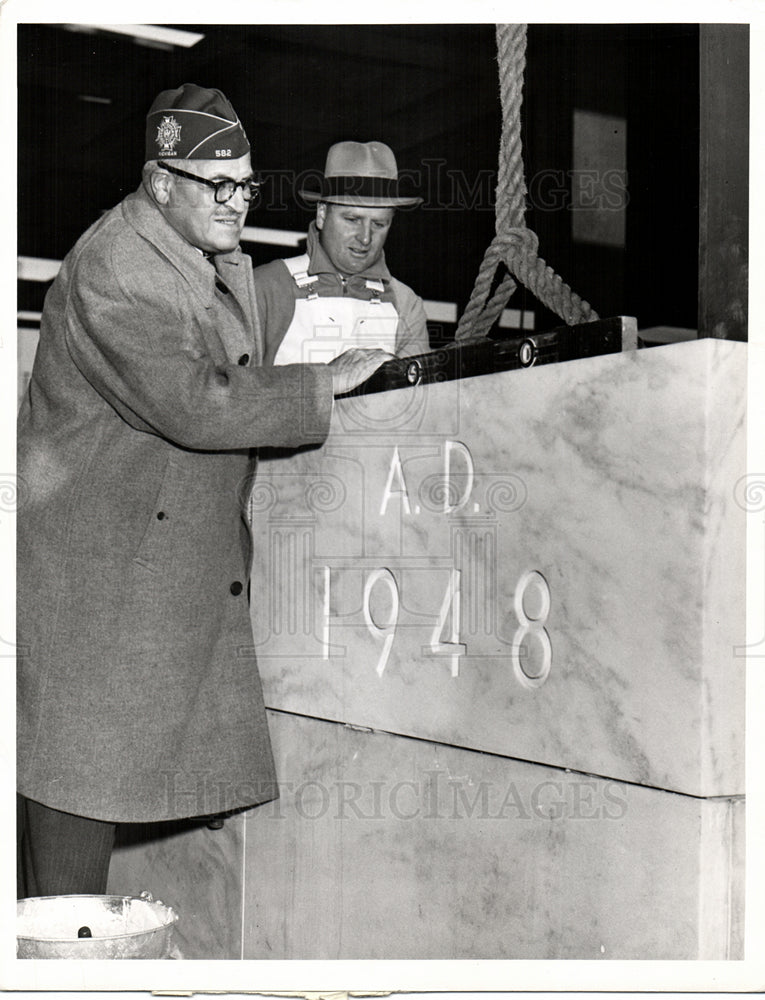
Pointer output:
514, 245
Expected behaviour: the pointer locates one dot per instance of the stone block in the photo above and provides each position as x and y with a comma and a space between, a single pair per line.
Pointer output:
546, 564
386, 847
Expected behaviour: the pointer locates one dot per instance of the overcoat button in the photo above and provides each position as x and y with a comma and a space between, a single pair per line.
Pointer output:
245, 359
236, 588
161, 516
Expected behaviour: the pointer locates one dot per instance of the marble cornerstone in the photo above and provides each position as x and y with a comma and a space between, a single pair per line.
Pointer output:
545, 564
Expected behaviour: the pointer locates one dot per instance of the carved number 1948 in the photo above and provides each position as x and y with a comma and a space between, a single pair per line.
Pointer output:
530, 648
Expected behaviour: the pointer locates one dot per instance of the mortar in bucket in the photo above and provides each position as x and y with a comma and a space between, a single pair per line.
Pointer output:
93, 927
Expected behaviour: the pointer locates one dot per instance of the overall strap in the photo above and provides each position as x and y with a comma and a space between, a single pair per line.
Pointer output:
298, 268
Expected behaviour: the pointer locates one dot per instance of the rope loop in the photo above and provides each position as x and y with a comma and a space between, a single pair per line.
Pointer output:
514, 244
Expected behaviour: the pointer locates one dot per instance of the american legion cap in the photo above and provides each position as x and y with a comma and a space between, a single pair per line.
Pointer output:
193, 123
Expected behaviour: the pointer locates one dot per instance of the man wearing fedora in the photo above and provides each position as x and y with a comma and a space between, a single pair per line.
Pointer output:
138, 691
340, 293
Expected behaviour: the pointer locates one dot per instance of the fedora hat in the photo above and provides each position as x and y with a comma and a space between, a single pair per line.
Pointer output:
362, 174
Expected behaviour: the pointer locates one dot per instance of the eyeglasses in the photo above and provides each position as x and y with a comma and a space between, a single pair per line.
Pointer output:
225, 189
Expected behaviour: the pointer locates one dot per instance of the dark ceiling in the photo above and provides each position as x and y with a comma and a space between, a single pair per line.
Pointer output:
429, 91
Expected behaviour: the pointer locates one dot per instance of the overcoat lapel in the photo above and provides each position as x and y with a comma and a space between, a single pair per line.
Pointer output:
225, 341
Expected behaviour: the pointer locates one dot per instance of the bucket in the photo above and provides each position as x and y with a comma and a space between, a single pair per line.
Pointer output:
93, 927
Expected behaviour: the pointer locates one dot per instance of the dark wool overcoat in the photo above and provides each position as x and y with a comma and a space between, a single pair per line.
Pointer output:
138, 691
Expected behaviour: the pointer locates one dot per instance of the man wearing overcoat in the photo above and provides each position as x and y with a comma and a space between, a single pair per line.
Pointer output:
138, 691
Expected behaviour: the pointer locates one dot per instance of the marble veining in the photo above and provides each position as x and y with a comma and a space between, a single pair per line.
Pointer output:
384, 847
612, 477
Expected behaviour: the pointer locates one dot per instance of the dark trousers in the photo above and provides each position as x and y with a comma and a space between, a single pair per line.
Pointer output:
59, 854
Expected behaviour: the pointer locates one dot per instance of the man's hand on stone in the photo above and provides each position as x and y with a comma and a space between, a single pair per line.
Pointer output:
354, 367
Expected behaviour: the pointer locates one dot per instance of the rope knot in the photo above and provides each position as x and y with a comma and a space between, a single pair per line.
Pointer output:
519, 241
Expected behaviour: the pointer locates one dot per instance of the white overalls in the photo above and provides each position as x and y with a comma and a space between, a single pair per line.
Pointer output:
323, 327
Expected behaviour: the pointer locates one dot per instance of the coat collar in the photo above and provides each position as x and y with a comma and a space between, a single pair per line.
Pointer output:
144, 216
321, 264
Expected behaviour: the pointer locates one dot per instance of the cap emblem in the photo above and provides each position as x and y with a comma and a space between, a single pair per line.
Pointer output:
168, 134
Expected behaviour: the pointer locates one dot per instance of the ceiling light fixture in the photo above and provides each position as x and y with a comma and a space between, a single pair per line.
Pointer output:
144, 34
